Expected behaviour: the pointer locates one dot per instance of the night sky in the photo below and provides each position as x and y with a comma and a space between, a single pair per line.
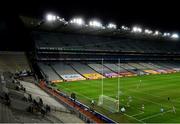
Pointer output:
163, 16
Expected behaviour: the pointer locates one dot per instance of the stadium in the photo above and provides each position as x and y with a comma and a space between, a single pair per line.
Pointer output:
89, 72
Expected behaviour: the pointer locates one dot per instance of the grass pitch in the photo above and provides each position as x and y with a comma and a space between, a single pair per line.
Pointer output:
152, 91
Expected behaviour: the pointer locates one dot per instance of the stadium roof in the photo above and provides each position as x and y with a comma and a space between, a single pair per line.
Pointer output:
55, 23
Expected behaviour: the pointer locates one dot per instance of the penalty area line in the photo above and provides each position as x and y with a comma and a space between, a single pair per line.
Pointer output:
137, 114
155, 115
133, 118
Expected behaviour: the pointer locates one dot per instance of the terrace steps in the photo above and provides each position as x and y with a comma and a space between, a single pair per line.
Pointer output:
56, 72
77, 71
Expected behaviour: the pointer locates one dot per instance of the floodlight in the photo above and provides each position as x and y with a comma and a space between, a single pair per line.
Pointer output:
50, 17
111, 26
62, 20
166, 34
78, 21
124, 27
156, 33
147, 31
140, 30
136, 29
95, 23
175, 36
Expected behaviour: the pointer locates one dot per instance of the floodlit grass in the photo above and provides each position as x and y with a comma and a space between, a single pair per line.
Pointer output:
152, 91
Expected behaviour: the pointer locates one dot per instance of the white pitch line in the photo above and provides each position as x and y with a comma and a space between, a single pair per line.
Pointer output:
137, 114
155, 115
133, 118
145, 100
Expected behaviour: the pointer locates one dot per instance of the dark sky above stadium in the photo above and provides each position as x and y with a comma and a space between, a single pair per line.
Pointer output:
149, 13
155, 14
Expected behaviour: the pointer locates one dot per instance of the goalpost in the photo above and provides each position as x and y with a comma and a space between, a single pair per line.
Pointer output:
107, 102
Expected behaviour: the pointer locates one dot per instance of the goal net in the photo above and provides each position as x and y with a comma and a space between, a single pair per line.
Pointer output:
109, 103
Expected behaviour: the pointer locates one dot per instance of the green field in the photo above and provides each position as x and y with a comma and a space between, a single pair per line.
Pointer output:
153, 92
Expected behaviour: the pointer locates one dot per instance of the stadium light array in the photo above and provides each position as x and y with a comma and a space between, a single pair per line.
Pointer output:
51, 17
166, 34
175, 36
136, 29
147, 31
78, 21
61, 19
124, 28
95, 23
112, 26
